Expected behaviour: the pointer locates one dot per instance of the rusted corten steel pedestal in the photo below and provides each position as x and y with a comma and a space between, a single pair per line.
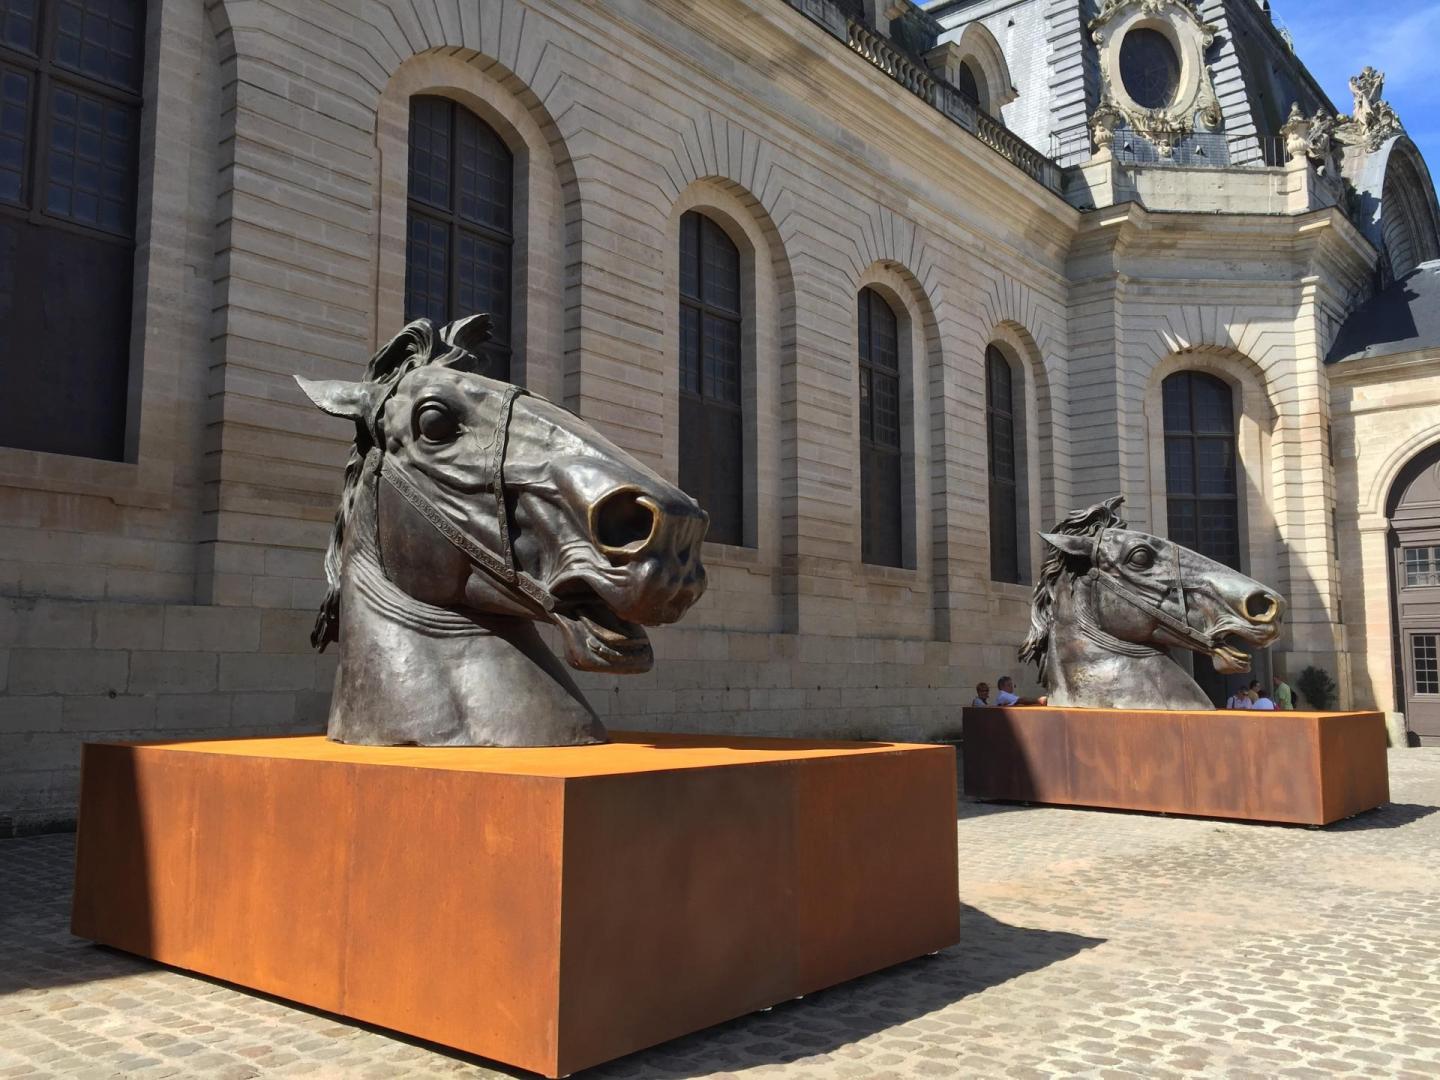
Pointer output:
1294, 767
549, 908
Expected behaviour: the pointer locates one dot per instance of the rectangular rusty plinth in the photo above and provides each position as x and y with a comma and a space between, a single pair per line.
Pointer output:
550, 908
1296, 767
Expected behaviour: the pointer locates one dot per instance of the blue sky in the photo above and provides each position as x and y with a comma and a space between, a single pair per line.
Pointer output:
1336, 38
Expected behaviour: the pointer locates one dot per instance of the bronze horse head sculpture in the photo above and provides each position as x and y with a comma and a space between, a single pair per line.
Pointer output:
473, 510
1111, 602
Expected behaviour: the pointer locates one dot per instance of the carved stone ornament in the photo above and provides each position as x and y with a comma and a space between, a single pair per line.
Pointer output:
1111, 602
1192, 105
1374, 121
1312, 138
473, 510
1103, 122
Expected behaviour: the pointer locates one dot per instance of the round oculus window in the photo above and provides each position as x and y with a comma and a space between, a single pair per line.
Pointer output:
1149, 68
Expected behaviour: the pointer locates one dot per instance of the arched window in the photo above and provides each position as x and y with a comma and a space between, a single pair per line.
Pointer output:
712, 429
880, 487
1004, 485
969, 82
460, 228
1201, 486
70, 80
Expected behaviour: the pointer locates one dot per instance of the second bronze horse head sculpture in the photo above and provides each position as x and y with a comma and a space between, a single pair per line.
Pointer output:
472, 511
1111, 602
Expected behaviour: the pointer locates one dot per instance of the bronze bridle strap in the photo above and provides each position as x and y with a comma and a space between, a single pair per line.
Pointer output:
1180, 627
502, 565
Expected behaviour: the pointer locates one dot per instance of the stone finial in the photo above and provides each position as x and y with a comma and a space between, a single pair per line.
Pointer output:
1374, 120
1103, 122
1367, 88
1311, 138
1296, 132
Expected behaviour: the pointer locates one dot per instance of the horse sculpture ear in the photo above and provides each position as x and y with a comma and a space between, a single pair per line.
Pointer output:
349, 400
1078, 546
468, 333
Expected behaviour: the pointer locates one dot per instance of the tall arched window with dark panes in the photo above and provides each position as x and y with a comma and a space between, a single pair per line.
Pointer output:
460, 230
880, 484
1202, 489
1201, 484
70, 81
712, 427
1005, 562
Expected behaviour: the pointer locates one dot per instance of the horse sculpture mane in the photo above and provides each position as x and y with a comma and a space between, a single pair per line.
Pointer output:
412, 347
1112, 603
471, 511
1088, 522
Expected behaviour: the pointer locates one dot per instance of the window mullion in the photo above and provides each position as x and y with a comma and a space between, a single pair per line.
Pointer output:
95, 87
700, 352
39, 145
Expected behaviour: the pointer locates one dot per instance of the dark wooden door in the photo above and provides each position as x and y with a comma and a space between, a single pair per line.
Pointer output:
1415, 516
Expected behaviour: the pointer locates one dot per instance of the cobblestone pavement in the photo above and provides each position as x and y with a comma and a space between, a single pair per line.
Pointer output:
1095, 944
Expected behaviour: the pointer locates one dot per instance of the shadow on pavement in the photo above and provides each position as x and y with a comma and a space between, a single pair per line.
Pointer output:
37, 950
990, 953
1389, 816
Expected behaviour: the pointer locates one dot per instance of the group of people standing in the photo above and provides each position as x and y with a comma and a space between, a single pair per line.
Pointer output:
1004, 694
1252, 697
1255, 697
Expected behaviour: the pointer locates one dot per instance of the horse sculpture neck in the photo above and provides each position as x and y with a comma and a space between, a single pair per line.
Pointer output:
1094, 672
487, 680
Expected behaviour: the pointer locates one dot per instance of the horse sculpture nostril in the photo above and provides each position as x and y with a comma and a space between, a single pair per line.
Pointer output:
1262, 607
625, 520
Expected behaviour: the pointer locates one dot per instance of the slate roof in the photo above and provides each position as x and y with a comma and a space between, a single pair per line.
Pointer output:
1403, 317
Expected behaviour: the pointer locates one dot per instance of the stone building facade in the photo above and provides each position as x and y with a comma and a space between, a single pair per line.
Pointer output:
981, 168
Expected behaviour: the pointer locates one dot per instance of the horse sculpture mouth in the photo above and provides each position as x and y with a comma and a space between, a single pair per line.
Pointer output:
1230, 659
1227, 653
597, 638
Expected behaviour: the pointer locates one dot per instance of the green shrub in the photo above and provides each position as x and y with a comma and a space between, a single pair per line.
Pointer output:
1319, 689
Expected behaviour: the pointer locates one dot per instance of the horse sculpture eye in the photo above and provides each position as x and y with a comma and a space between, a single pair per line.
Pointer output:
1141, 558
437, 424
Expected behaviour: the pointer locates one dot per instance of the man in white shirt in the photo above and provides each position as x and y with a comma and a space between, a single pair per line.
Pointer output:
1239, 700
1005, 693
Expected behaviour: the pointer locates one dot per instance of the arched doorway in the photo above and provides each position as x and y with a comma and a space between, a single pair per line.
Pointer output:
1414, 513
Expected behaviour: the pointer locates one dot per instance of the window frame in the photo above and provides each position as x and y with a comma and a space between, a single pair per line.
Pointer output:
707, 225
45, 73
114, 404
1430, 562
1004, 574
1431, 669
498, 350
877, 453
1195, 499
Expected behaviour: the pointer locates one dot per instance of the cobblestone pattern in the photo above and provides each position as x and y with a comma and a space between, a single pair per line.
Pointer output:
1095, 944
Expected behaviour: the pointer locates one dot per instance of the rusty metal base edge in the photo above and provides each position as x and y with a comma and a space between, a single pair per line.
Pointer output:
1285, 767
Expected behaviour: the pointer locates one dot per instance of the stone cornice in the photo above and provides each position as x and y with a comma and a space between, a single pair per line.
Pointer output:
1416, 364
1322, 243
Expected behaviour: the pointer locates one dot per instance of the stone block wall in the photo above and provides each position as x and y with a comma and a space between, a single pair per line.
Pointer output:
76, 670
1387, 410
172, 595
